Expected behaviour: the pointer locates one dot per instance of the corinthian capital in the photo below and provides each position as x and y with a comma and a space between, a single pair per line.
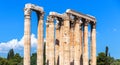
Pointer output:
93, 25
27, 11
50, 19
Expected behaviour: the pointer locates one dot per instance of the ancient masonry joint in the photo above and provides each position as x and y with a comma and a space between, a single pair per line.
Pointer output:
66, 37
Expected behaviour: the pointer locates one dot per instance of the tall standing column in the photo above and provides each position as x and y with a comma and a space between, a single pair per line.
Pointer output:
61, 48
40, 40
77, 42
72, 44
57, 44
81, 44
93, 44
27, 38
85, 51
66, 40
47, 43
51, 41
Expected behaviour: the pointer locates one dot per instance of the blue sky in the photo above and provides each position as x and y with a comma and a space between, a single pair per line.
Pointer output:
107, 13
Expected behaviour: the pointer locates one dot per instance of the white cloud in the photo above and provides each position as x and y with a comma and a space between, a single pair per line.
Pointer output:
16, 44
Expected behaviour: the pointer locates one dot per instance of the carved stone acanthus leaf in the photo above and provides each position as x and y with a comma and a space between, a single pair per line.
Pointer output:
93, 25
27, 11
50, 19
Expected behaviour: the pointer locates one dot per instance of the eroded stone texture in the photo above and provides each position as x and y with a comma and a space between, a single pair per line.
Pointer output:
77, 42
27, 37
40, 40
81, 44
47, 42
27, 33
57, 42
85, 50
61, 53
93, 44
72, 44
51, 41
66, 40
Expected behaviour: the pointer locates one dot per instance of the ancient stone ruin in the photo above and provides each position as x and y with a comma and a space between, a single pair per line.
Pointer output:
66, 41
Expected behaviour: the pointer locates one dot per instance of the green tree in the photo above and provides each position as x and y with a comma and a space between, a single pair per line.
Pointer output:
101, 58
15, 60
104, 59
106, 51
33, 59
116, 62
3, 61
10, 54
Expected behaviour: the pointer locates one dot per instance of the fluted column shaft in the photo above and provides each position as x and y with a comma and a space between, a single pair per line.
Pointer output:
66, 42
47, 43
85, 52
71, 45
40, 40
57, 45
61, 53
81, 45
93, 44
77, 42
51, 41
27, 37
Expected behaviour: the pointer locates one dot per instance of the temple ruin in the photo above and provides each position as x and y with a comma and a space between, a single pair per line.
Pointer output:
66, 37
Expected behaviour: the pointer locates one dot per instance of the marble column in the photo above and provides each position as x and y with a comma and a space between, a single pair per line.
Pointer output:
66, 40
40, 44
85, 50
81, 43
61, 48
47, 43
57, 42
27, 36
51, 41
72, 44
77, 42
93, 44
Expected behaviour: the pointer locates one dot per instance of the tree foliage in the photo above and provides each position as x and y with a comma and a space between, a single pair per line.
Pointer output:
116, 62
106, 51
33, 59
103, 58
3, 61
10, 54
12, 59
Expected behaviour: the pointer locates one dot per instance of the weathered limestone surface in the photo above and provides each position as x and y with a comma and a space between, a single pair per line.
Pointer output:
27, 37
66, 40
71, 45
40, 40
27, 34
57, 44
61, 53
34, 7
47, 42
81, 45
77, 42
51, 41
85, 52
93, 44
88, 17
